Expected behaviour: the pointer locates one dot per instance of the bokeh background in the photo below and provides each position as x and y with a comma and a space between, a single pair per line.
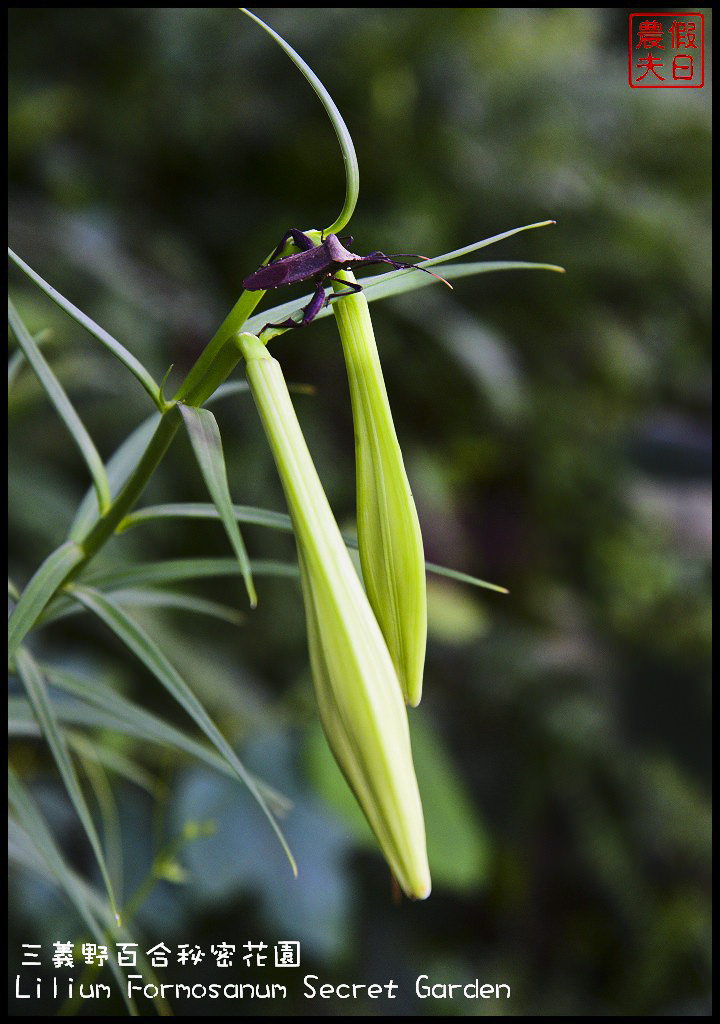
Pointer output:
556, 434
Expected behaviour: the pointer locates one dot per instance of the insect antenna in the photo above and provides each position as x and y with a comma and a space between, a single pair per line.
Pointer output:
416, 266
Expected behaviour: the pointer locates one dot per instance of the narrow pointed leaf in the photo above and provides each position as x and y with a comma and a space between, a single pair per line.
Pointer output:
207, 445
49, 577
104, 709
17, 359
275, 521
35, 687
146, 650
247, 302
131, 597
234, 387
63, 406
30, 835
180, 569
382, 286
112, 760
119, 351
352, 173
397, 282
31, 821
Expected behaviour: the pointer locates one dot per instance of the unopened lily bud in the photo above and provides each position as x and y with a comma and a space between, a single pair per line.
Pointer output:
360, 704
389, 538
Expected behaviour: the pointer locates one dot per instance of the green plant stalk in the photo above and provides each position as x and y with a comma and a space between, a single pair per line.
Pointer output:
123, 502
200, 383
196, 382
389, 537
360, 703
197, 387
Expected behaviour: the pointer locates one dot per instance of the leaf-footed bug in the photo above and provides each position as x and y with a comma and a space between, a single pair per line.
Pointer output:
319, 264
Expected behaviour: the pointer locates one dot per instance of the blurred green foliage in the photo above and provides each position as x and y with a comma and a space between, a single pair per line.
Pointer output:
556, 433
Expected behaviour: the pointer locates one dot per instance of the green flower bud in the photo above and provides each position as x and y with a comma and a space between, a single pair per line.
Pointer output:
389, 538
360, 704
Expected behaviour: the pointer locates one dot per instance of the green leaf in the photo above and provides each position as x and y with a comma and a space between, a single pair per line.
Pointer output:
36, 830
147, 651
36, 690
17, 359
352, 173
119, 469
234, 387
63, 406
465, 250
230, 387
15, 362
176, 570
395, 282
151, 598
101, 708
30, 830
275, 521
112, 760
51, 574
33, 848
383, 286
110, 343
199, 381
207, 445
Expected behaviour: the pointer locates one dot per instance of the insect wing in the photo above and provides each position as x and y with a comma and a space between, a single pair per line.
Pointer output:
274, 275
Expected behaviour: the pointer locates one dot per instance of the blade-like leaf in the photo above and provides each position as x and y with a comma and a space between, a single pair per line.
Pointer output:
110, 343
177, 570
382, 286
147, 651
203, 510
150, 598
119, 468
100, 707
230, 387
34, 848
31, 821
51, 574
17, 359
465, 250
275, 521
234, 387
97, 778
247, 302
36, 690
352, 173
207, 445
63, 405
111, 759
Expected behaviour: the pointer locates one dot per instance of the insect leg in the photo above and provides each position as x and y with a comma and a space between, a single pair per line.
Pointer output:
309, 312
353, 288
299, 238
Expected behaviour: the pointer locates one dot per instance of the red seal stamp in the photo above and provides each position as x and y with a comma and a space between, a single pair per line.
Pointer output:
666, 51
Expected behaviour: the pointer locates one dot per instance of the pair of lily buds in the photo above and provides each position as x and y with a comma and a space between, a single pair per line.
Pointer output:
367, 646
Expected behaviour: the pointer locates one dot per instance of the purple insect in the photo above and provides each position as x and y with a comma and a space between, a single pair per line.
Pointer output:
319, 264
